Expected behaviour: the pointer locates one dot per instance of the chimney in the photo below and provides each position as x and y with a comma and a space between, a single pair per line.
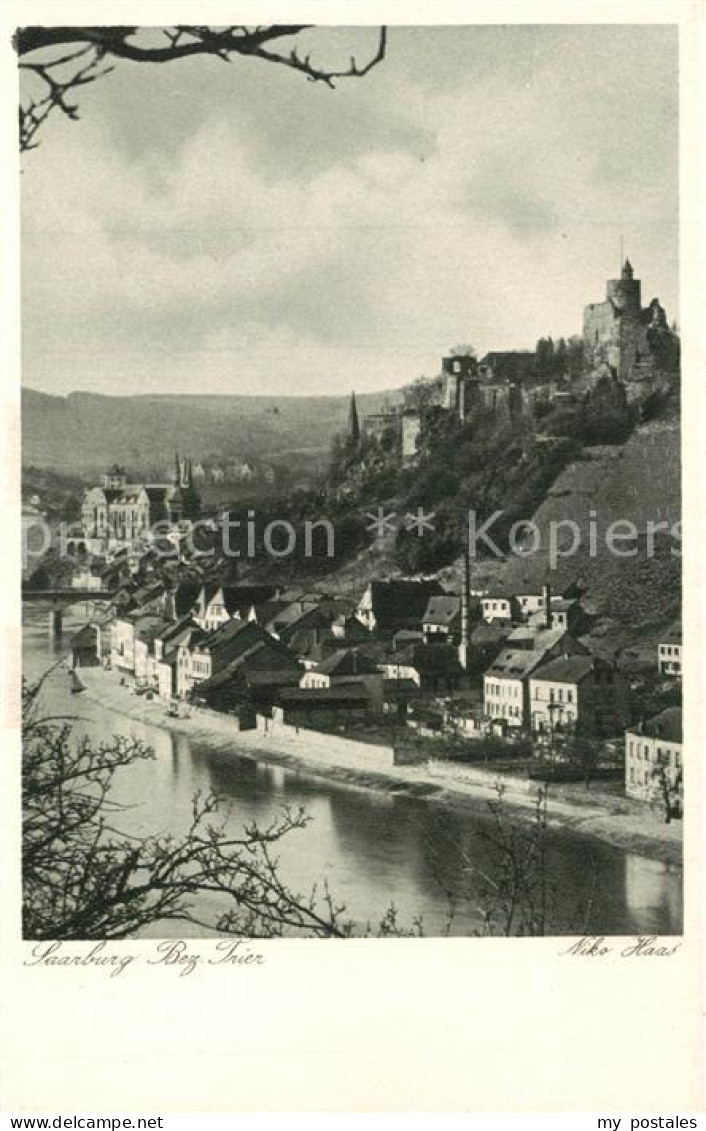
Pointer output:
547, 595
464, 650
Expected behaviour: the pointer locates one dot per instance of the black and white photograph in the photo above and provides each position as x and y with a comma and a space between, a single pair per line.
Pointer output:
351, 483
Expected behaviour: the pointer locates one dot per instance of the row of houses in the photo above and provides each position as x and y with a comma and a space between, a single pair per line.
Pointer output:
333, 661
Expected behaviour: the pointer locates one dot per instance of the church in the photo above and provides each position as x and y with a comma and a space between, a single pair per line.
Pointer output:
118, 511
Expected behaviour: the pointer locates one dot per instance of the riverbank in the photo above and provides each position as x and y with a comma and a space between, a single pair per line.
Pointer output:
586, 815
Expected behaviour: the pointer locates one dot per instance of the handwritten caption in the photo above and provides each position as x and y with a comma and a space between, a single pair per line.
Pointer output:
643, 946
179, 956
184, 958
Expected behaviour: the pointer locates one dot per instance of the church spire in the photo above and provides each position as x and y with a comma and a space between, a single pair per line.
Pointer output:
177, 470
353, 421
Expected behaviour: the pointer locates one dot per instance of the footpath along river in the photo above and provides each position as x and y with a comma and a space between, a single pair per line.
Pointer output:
372, 847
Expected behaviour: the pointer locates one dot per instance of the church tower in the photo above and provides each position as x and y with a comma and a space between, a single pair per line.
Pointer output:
353, 421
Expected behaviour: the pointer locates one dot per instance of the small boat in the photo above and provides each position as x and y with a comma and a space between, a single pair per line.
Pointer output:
76, 685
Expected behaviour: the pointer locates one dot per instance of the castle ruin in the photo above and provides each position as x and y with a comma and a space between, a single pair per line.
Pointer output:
634, 342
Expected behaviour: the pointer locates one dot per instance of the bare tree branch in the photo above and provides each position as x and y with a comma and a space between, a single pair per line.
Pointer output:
91, 46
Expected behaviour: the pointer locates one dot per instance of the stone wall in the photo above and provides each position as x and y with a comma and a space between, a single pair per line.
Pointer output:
326, 749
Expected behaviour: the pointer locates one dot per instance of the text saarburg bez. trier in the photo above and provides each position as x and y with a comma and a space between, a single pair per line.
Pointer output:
173, 953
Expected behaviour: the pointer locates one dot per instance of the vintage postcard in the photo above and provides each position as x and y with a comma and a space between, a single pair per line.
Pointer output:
353, 687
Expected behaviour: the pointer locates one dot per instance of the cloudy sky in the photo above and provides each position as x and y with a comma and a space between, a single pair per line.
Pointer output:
214, 228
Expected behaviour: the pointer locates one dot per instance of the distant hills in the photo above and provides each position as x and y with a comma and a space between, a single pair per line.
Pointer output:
83, 432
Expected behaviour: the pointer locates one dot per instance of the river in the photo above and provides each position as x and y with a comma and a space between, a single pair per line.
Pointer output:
372, 848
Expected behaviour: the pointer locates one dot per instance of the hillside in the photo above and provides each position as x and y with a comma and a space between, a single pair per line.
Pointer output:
634, 597
84, 431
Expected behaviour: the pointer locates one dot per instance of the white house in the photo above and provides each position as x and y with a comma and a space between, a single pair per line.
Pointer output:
123, 642
217, 604
497, 606
506, 693
578, 692
669, 659
442, 618
653, 756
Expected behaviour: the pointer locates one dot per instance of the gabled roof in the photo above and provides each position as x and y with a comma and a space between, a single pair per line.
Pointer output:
176, 628
265, 611
148, 627
442, 609
499, 593
667, 725
312, 619
146, 593
513, 663
246, 630
191, 637
251, 666
237, 638
347, 661
673, 636
376, 651
495, 633
428, 659
404, 601
291, 613
405, 636
313, 643
185, 596
405, 686
349, 693
537, 637
244, 596
567, 669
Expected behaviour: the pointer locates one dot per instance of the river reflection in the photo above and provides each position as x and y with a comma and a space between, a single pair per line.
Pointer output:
372, 848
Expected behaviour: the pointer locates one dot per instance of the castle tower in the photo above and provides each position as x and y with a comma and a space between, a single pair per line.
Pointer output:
624, 292
459, 374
